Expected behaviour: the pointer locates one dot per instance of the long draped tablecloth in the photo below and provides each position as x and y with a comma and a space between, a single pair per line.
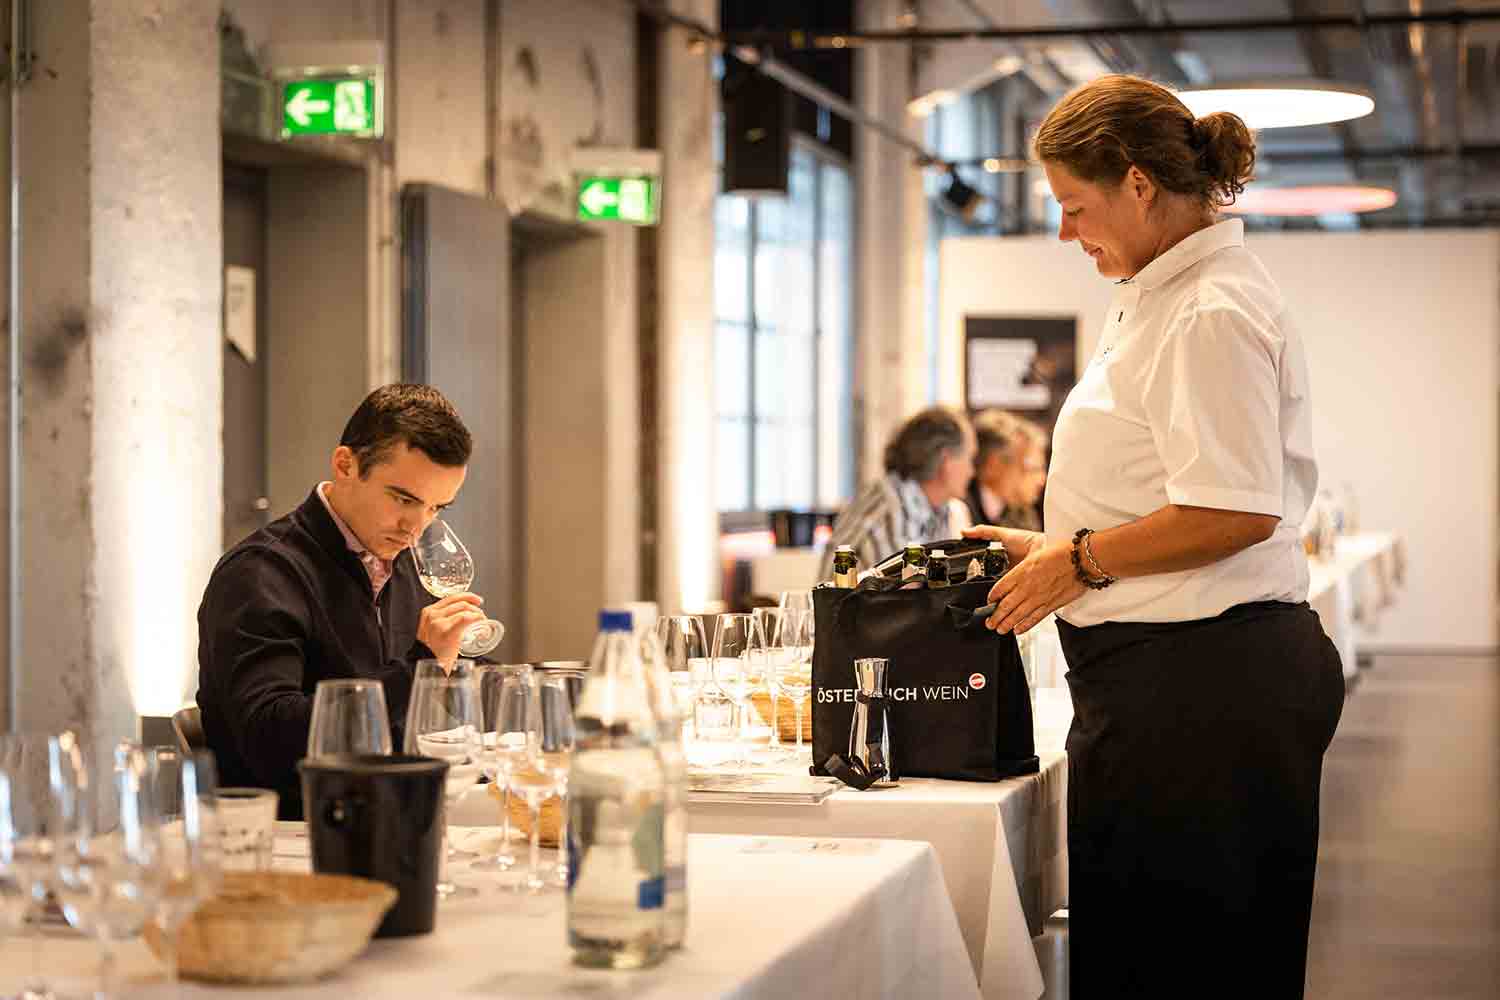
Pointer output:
769, 918
1002, 846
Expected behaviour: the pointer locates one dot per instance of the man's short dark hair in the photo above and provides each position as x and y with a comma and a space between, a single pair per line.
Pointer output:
417, 416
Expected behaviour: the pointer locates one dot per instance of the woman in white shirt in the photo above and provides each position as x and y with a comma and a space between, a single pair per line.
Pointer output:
1204, 690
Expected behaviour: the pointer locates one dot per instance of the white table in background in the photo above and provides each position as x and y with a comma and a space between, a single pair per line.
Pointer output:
770, 917
1349, 589
1002, 846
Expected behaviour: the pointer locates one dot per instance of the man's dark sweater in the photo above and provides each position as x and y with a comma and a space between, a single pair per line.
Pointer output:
287, 607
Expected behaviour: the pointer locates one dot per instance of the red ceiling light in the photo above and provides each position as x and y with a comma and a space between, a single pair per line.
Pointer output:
1312, 199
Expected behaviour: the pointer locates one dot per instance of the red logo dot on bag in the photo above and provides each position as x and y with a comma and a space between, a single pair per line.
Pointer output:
976, 681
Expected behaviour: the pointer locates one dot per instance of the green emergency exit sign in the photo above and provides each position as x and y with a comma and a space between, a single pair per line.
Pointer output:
331, 106
622, 199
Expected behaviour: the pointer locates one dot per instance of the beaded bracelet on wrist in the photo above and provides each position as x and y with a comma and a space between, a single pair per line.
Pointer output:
1080, 546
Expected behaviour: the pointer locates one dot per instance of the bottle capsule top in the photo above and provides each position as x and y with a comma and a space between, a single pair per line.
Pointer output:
612, 620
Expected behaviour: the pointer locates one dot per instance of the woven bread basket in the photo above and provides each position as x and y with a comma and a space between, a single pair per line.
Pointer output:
520, 815
278, 927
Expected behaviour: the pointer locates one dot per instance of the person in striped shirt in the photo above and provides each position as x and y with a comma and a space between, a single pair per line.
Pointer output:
928, 465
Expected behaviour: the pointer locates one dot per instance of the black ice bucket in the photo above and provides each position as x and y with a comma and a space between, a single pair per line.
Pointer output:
381, 817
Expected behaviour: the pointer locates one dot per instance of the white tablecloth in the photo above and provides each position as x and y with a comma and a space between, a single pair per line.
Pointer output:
1349, 589
769, 917
1002, 848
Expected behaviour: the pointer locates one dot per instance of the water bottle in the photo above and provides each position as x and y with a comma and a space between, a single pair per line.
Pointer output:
616, 825
674, 771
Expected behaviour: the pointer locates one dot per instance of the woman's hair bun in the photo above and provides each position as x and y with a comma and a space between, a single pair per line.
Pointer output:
1226, 153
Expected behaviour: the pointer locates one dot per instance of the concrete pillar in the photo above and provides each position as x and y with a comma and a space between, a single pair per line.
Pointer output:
120, 273
890, 245
688, 525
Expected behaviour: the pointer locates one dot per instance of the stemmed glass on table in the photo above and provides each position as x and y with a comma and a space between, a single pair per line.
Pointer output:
27, 858
537, 749
444, 720
349, 716
795, 600
793, 669
684, 652
505, 699
109, 876
772, 625
183, 790
738, 667
445, 568
558, 738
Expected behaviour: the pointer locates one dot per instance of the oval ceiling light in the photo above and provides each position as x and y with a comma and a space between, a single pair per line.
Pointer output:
1312, 199
1282, 103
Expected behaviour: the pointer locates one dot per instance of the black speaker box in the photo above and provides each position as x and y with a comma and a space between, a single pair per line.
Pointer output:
757, 133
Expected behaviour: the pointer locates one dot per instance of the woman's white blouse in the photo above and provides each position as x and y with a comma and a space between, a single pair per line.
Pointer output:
1196, 395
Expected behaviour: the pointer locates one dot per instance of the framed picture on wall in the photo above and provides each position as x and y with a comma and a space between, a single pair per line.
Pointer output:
1024, 364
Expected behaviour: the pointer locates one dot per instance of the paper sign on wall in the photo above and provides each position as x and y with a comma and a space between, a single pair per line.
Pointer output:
998, 372
239, 310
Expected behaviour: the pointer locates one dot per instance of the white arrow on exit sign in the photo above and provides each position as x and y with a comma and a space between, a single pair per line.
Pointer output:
303, 106
597, 197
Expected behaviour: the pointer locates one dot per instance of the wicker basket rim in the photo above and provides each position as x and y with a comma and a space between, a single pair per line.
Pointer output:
375, 893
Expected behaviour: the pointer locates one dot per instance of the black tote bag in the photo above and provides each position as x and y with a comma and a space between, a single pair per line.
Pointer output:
957, 696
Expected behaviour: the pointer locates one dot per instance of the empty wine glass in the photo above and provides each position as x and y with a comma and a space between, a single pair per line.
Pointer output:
684, 648
737, 670
504, 696
549, 752
183, 791
443, 720
795, 600
794, 667
349, 716
27, 832
557, 740
770, 622
445, 568
109, 876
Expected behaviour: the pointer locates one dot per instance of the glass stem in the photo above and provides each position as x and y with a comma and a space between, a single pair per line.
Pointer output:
775, 724
534, 876
34, 917
106, 966
562, 830
503, 856
169, 932
444, 886
797, 703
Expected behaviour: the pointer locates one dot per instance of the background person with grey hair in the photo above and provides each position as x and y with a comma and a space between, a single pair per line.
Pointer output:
928, 465
1010, 471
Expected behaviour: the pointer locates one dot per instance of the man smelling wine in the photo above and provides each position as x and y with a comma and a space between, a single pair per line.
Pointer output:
330, 590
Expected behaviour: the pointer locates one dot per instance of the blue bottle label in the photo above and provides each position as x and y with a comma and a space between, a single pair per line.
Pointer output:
651, 894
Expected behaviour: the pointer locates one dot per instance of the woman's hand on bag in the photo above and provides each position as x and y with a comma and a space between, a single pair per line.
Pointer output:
1037, 586
1018, 543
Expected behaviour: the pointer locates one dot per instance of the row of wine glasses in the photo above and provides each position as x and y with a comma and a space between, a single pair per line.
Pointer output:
768, 650
119, 844
507, 722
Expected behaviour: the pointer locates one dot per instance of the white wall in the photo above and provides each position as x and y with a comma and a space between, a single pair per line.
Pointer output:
1403, 342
